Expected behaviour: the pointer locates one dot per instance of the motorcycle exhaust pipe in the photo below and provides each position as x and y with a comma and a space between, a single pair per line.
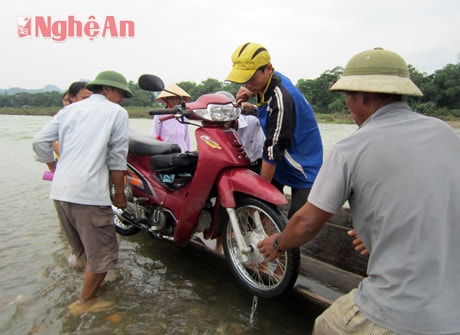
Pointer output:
125, 215
121, 213
117, 211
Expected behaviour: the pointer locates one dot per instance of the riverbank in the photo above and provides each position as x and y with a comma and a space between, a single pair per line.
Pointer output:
138, 112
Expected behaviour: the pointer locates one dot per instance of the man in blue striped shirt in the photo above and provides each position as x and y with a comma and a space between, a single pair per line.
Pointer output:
293, 151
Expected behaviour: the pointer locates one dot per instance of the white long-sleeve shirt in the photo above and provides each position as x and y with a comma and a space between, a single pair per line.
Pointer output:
93, 139
251, 135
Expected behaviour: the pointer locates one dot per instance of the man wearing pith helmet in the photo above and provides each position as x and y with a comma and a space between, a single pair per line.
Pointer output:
93, 136
400, 174
293, 150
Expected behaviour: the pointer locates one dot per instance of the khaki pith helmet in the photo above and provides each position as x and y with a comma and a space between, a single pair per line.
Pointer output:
378, 71
174, 89
112, 79
247, 59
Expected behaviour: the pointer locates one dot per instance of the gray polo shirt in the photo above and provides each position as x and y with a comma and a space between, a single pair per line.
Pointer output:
400, 172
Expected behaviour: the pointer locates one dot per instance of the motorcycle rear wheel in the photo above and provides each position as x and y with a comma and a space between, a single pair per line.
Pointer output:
257, 220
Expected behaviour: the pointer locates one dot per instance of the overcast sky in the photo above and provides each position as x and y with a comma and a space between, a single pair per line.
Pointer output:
192, 40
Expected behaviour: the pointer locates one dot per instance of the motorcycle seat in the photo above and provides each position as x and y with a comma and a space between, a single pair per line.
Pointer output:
140, 144
175, 163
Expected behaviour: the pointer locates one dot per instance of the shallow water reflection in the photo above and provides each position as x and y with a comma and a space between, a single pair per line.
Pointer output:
158, 288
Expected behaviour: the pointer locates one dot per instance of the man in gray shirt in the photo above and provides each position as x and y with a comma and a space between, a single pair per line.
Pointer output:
400, 173
93, 140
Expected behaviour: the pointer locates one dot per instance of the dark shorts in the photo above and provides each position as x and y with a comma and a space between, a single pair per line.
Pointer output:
91, 234
299, 197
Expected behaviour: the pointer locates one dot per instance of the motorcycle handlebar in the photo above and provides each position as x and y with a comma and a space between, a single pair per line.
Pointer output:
170, 111
163, 111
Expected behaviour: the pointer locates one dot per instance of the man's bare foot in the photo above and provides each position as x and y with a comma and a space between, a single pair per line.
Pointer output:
77, 264
109, 280
92, 305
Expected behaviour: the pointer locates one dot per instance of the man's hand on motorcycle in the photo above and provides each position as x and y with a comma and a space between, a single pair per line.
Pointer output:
243, 95
119, 200
267, 249
248, 108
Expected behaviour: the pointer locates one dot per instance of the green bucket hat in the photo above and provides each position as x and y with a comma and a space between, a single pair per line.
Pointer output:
379, 71
112, 79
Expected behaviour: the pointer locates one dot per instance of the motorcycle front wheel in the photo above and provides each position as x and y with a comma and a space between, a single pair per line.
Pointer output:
257, 220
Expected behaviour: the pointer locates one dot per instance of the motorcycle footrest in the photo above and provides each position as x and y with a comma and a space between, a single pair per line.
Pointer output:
142, 200
128, 216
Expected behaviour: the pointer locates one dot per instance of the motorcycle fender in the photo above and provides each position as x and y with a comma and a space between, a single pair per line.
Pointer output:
245, 181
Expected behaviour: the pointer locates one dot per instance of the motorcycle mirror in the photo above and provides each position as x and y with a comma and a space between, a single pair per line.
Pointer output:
150, 82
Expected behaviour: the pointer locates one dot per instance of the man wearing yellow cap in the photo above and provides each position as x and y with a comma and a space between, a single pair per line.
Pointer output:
400, 174
293, 150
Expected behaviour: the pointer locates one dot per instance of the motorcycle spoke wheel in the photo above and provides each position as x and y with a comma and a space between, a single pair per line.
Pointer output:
258, 220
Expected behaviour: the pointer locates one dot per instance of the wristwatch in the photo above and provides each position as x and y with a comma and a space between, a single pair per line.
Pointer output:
276, 246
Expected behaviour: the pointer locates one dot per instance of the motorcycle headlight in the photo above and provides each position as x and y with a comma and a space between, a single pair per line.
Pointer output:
219, 113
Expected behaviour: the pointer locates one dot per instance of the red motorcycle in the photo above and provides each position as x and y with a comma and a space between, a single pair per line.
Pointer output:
173, 195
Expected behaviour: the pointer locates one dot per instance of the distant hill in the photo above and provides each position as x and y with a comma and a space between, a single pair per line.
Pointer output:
14, 90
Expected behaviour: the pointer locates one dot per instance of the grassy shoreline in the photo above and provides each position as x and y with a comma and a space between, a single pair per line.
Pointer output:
142, 112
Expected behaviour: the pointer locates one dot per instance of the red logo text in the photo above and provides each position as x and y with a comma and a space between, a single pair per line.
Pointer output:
61, 30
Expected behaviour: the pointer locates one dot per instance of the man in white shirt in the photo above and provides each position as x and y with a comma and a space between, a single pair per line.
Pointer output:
250, 133
93, 139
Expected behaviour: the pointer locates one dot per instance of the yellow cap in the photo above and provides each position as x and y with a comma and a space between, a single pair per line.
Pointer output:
247, 59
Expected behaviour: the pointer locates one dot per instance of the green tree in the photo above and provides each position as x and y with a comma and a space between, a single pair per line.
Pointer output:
189, 87
140, 97
317, 90
5, 100
209, 85
441, 93
447, 82
423, 81
230, 87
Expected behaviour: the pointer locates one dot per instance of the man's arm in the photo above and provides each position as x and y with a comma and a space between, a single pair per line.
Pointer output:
116, 158
301, 228
281, 125
119, 197
51, 166
267, 171
43, 143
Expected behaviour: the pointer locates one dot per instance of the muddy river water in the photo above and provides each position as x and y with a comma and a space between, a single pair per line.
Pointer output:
159, 288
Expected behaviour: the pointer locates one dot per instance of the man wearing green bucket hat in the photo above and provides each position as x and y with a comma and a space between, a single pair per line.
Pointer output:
107, 81
93, 137
400, 174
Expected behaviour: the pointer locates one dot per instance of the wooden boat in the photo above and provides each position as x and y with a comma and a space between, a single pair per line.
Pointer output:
330, 267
